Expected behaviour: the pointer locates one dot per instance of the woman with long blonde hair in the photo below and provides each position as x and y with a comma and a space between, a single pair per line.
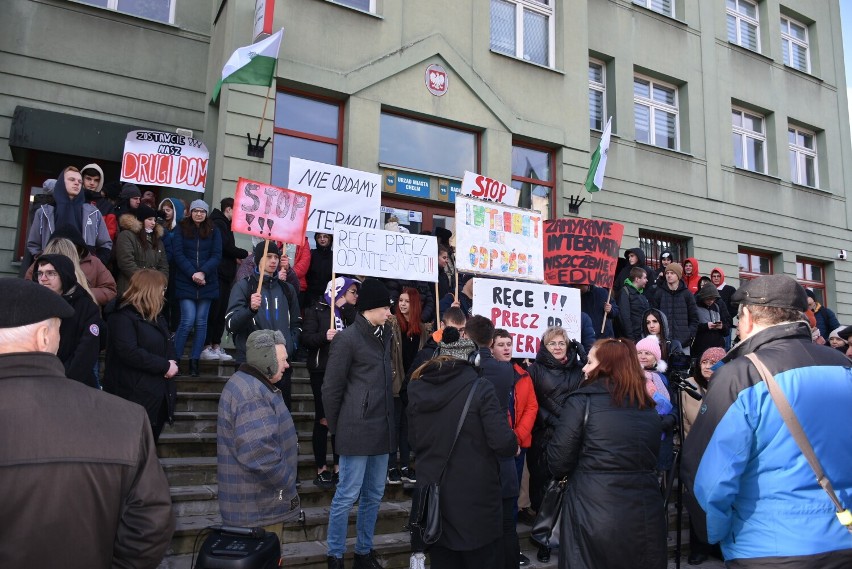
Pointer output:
140, 360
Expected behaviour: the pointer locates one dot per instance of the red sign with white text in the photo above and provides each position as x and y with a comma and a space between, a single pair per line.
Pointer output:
581, 251
270, 212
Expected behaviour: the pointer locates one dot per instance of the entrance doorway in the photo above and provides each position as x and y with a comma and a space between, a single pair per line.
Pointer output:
418, 215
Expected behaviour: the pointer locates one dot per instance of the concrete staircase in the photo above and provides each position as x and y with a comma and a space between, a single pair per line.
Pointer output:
187, 452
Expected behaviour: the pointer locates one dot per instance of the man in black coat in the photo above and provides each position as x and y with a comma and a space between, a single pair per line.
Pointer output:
357, 395
678, 304
231, 257
633, 303
480, 330
595, 302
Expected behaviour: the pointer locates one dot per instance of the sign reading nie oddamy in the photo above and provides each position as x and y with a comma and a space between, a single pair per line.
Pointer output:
270, 212
340, 195
385, 254
164, 159
496, 240
581, 251
526, 310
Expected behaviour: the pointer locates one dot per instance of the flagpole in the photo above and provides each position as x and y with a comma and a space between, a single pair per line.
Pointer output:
265, 103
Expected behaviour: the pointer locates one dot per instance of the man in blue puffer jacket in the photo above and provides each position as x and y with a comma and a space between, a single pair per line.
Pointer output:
749, 486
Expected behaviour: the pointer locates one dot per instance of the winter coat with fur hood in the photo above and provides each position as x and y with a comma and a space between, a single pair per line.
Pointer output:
132, 255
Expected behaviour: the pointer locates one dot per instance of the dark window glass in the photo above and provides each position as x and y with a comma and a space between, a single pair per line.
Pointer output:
427, 147
306, 115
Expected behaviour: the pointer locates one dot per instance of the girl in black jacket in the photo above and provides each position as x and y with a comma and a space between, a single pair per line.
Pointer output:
317, 333
606, 444
80, 335
140, 360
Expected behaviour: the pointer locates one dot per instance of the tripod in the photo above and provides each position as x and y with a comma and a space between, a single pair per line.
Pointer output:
680, 385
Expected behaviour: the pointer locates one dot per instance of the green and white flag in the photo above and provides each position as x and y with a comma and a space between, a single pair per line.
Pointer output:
594, 180
252, 65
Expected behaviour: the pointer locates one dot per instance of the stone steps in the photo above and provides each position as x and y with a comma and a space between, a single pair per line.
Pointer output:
203, 443
209, 401
202, 499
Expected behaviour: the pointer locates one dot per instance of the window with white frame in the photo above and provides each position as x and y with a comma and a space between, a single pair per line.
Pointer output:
662, 6
655, 112
523, 29
365, 5
749, 137
803, 157
743, 24
794, 44
597, 94
159, 10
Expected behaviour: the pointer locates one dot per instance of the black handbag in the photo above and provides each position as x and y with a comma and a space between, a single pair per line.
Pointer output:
547, 517
425, 518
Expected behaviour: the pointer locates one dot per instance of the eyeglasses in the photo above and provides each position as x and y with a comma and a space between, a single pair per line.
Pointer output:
557, 344
199, 211
48, 274
353, 291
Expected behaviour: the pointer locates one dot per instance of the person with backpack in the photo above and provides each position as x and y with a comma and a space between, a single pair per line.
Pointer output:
275, 307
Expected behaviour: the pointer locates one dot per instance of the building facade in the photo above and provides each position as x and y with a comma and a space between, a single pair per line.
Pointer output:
730, 130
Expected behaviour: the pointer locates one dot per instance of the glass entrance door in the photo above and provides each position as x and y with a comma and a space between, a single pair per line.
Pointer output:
416, 216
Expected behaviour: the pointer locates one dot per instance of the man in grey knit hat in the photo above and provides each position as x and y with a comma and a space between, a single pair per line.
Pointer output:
256, 440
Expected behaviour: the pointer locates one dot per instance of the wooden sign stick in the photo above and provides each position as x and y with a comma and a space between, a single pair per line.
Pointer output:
262, 266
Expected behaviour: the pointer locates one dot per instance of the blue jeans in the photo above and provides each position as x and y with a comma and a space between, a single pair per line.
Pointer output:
362, 476
193, 313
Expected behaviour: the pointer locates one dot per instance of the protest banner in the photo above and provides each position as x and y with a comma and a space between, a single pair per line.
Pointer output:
526, 310
166, 159
270, 212
340, 195
496, 240
486, 188
385, 254
581, 251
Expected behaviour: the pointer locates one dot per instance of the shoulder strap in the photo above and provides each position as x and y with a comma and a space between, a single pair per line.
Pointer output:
461, 422
795, 428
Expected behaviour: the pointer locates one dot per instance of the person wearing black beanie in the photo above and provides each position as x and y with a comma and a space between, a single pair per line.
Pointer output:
79, 335
357, 394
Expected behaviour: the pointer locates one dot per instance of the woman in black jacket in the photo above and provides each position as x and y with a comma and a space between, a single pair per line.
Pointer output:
140, 359
606, 445
80, 335
319, 271
556, 372
317, 333
471, 510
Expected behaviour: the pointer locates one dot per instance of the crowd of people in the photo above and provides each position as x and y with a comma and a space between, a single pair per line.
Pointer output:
390, 376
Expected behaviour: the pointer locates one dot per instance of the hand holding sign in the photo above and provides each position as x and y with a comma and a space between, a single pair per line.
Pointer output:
270, 212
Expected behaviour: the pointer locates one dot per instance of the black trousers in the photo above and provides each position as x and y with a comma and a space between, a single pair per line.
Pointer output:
486, 557
320, 436
511, 544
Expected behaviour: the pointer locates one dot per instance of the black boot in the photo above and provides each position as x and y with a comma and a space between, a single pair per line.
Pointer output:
335, 562
543, 554
193, 368
366, 561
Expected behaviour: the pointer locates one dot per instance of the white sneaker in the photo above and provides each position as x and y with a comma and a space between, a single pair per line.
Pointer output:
209, 354
223, 355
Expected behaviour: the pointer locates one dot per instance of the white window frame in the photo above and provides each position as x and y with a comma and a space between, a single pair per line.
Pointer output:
113, 5
739, 16
371, 9
787, 39
599, 87
654, 106
745, 133
649, 4
544, 7
801, 153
